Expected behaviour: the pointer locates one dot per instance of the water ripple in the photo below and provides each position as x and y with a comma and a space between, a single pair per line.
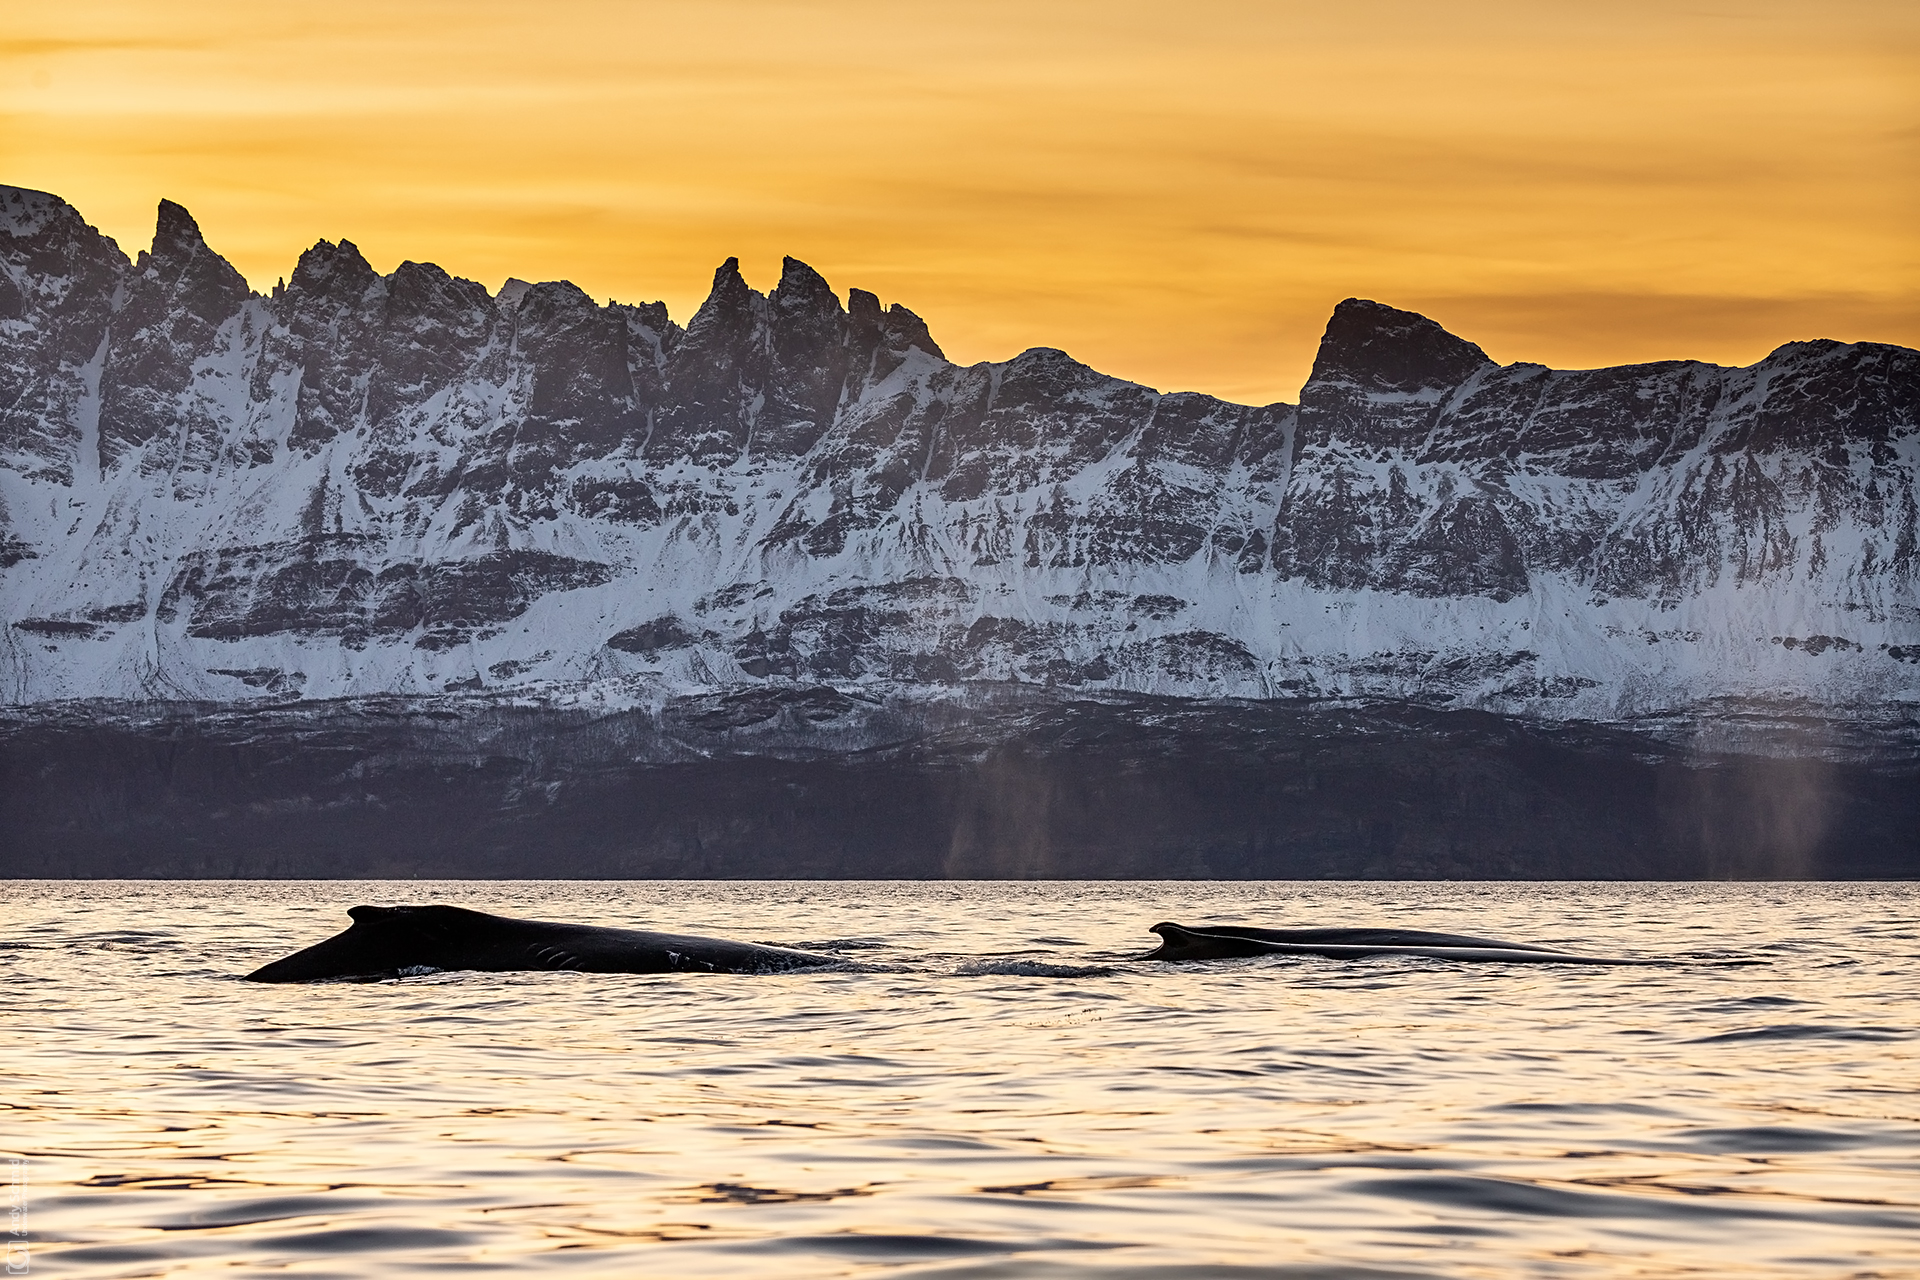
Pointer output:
994, 1089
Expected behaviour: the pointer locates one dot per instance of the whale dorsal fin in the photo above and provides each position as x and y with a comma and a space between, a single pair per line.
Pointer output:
1177, 942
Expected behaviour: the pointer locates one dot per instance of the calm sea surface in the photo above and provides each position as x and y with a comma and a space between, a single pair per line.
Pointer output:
990, 1087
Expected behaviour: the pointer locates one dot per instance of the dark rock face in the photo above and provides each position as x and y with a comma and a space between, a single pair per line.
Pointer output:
1426, 469
177, 299
650, 637
408, 485
715, 371
58, 277
321, 587
1381, 378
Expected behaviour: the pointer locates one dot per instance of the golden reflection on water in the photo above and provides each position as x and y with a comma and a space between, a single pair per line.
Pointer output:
938, 1109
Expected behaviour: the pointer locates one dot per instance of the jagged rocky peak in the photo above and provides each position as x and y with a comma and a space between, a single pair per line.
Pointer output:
808, 372
24, 212
189, 272
715, 372
806, 303
1380, 348
1380, 375
508, 299
58, 280
767, 375
803, 292
179, 281
49, 246
730, 301
336, 271
421, 289
178, 295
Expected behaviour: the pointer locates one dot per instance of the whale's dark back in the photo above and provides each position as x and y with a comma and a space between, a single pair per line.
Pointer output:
1362, 937
1225, 941
389, 940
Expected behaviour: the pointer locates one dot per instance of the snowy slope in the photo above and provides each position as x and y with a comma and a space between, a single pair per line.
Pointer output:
372, 484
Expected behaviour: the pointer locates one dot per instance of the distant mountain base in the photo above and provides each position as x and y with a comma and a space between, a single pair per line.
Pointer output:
984, 782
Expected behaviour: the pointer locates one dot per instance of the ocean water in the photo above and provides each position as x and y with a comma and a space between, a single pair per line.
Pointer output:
990, 1087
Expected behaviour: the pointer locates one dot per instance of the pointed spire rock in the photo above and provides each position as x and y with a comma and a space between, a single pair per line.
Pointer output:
189, 272
729, 304
179, 295
716, 372
727, 281
175, 232
803, 290
809, 367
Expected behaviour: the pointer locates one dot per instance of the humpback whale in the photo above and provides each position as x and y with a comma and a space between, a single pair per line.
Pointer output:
1224, 942
391, 941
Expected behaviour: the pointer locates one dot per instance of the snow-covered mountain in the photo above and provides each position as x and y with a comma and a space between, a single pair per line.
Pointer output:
406, 484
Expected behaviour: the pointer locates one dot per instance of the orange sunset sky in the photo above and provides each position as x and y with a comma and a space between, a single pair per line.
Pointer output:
1174, 192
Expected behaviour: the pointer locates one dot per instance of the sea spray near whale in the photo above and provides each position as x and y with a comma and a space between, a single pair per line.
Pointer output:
396, 941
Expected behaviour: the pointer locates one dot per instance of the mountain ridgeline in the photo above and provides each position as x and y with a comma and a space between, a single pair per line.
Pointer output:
406, 512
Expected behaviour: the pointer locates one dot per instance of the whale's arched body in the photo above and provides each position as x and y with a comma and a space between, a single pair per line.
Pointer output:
1225, 942
387, 941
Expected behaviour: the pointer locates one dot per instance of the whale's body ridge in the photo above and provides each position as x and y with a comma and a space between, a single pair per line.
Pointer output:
390, 941
1226, 942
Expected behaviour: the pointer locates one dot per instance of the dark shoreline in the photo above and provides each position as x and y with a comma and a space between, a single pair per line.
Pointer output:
802, 783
